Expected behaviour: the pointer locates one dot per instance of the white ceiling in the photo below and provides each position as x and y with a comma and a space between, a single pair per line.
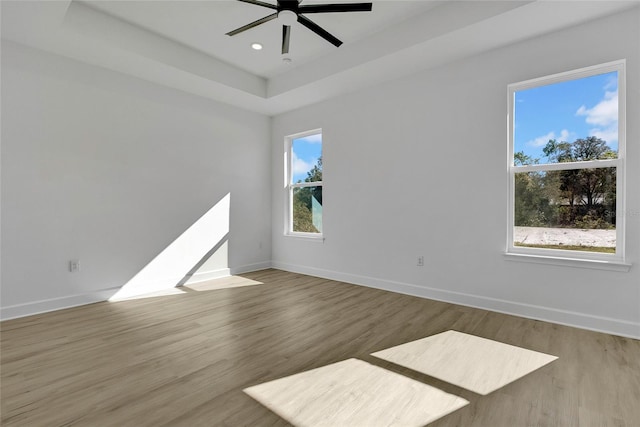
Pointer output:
202, 26
182, 44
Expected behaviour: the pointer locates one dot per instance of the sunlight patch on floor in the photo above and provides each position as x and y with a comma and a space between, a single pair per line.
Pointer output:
160, 293
473, 363
222, 283
354, 393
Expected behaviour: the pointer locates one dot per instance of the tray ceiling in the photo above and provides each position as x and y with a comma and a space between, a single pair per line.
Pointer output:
182, 44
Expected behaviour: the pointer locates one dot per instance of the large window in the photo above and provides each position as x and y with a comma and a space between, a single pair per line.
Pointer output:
566, 165
304, 184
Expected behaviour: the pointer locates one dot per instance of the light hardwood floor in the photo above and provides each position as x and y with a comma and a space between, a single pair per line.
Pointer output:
184, 360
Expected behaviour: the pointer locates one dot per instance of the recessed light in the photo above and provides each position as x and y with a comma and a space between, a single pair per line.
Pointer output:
256, 46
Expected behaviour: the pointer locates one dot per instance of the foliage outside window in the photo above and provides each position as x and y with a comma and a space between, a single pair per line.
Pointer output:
304, 211
566, 163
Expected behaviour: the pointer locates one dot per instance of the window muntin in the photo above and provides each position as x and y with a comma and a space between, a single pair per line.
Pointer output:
566, 163
304, 184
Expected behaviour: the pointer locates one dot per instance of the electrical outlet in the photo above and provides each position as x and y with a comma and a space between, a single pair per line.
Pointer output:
420, 261
74, 266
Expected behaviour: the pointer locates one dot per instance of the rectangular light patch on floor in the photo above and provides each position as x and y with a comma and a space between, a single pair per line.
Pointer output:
354, 393
477, 364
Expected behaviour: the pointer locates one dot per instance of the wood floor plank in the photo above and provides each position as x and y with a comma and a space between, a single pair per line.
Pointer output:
185, 359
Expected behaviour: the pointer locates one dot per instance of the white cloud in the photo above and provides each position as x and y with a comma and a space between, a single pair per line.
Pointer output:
609, 134
299, 166
612, 83
541, 141
604, 116
604, 113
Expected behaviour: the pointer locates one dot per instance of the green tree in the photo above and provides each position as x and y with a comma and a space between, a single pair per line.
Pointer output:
519, 159
302, 216
303, 201
589, 193
531, 206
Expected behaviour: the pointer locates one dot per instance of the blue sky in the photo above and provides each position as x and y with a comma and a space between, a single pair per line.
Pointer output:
304, 155
567, 111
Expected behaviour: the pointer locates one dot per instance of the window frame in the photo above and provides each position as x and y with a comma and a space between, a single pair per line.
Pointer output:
554, 255
289, 185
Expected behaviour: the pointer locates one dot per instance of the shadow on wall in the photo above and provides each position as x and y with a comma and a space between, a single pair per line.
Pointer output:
200, 253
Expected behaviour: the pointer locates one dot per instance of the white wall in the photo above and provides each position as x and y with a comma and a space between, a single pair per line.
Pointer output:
418, 167
110, 170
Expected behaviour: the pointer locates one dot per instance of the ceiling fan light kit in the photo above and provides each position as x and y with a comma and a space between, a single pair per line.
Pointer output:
287, 17
288, 12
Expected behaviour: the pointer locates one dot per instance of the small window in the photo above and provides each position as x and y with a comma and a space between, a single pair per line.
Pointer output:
304, 184
566, 163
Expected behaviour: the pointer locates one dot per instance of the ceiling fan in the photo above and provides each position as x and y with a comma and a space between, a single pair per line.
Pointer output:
290, 11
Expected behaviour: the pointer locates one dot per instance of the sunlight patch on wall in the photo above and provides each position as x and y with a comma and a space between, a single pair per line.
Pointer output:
213, 267
184, 256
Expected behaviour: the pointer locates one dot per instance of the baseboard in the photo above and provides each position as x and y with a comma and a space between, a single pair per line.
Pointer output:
568, 318
53, 304
247, 268
225, 272
208, 275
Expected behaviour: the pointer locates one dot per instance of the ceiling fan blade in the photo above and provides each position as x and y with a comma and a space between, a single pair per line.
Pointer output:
253, 24
319, 30
346, 7
286, 35
260, 3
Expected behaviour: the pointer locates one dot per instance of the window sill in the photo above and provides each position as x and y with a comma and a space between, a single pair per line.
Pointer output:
307, 237
569, 262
